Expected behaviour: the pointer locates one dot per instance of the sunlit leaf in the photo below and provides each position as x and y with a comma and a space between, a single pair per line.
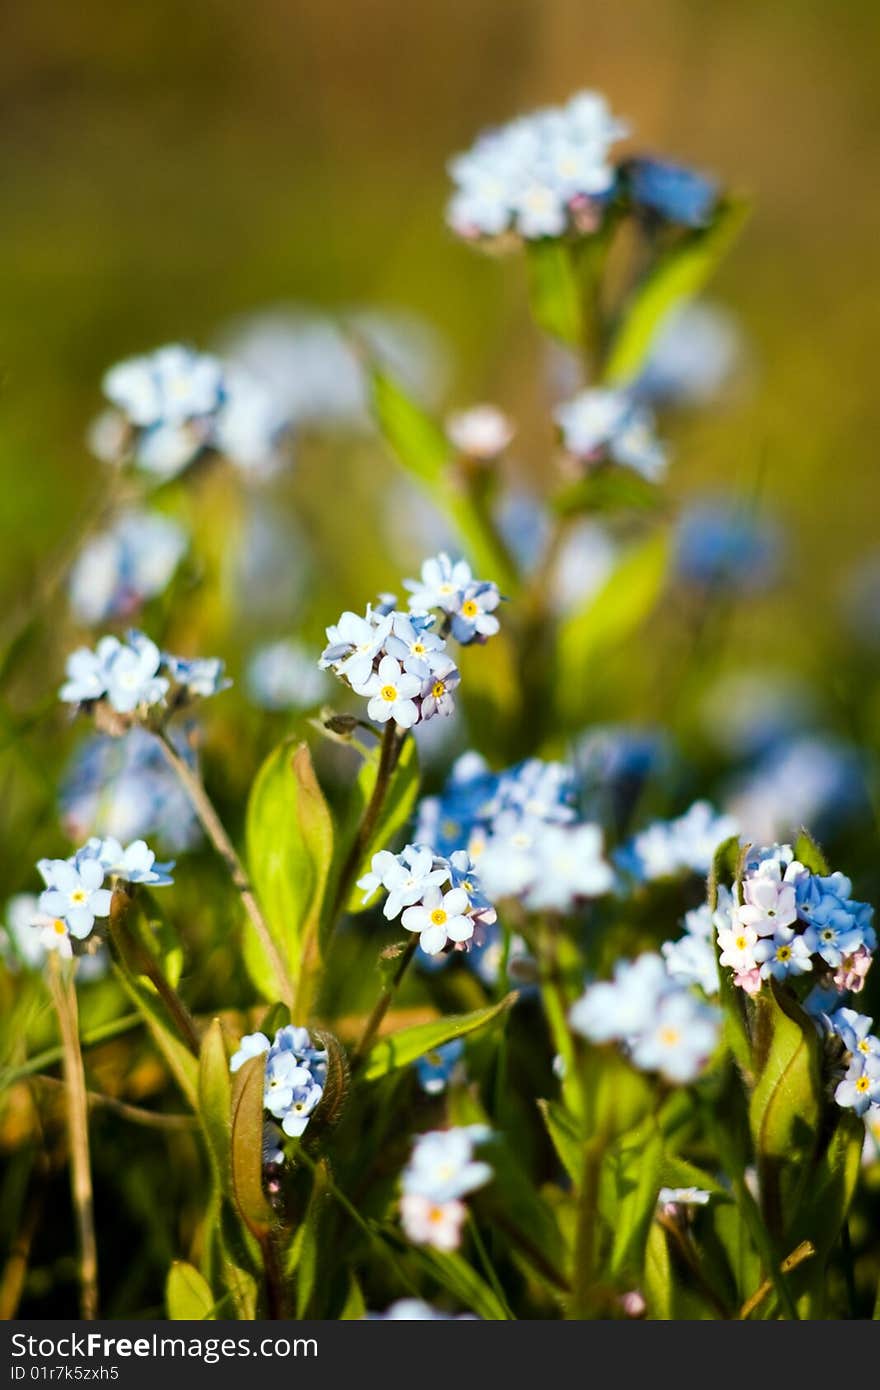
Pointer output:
188, 1295
247, 1147
289, 835
624, 602
401, 1048
678, 274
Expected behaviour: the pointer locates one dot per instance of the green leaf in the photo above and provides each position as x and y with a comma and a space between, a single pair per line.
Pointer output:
453, 1273
565, 1136
808, 852
608, 489
354, 1306
624, 602
289, 834
396, 810
247, 1148
828, 1190
678, 274
633, 1166
418, 441
215, 1102
188, 1295
785, 1104
402, 1048
659, 1282
554, 290
180, 1061
420, 445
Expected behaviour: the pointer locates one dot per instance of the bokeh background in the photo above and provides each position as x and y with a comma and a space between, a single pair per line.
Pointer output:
167, 168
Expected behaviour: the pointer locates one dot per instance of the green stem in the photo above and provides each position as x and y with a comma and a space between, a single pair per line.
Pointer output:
383, 1003
389, 753
64, 998
216, 833
585, 1238
138, 959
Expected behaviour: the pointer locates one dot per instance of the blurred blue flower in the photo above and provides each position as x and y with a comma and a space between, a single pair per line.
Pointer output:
435, 1069
283, 675
119, 569
124, 788
720, 546
672, 191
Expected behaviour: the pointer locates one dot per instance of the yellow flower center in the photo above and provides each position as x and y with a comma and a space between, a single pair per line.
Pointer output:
418, 649
389, 693
863, 1084
864, 1046
438, 917
438, 689
669, 1036
58, 927
783, 953
741, 943
469, 609
78, 895
435, 1216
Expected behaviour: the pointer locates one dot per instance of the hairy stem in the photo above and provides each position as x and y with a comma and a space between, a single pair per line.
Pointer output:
383, 1003
64, 999
216, 833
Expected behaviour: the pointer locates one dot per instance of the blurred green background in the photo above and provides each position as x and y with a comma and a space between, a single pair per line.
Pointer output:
167, 166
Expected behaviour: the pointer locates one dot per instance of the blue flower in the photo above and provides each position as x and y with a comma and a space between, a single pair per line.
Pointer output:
199, 677
87, 672
443, 1166
74, 892
136, 863
673, 192
295, 1076
442, 584
680, 1039
435, 1069
169, 387
860, 1088
720, 546
782, 954
474, 619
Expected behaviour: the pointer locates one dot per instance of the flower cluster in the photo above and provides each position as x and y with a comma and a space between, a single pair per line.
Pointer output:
134, 675
604, 425
118, 570
662, 1024
684, 845
439, 898
124, 787
397, 659
174, 403
75, 895
296, 1074
538, 176
441, 1171
465, 606
520, 828
789, 921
